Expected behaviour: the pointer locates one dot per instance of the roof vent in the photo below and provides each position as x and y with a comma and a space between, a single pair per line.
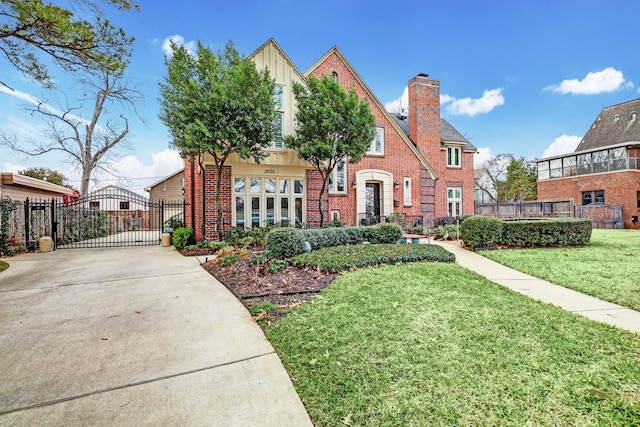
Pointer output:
633, 115
616, 117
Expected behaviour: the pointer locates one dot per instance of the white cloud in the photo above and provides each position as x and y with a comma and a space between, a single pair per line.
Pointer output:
178, 40
483, 155
562, 145
607, 80
400, 105
491, 98
131, 173
467, 106
12, 167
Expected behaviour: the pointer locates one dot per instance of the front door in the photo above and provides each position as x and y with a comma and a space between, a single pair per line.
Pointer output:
372, 194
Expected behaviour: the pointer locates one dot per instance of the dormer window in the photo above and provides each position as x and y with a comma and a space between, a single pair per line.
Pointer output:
454, 157
633, 115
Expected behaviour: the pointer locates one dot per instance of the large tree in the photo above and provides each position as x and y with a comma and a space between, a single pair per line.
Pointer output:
219, 104
88, 142
332, 126
33, 32
494, 176
45, 174
521, 180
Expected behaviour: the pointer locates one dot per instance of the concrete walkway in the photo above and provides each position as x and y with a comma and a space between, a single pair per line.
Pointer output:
131, 337
544, 291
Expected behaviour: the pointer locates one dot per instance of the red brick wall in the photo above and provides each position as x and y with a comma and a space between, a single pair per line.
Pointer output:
398, 160
620, 188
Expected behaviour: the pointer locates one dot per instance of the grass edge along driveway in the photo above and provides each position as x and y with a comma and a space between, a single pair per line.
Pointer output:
606, 268
435, 344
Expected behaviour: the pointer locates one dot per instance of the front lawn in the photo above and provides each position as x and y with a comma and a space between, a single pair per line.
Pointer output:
606, 268
434, 344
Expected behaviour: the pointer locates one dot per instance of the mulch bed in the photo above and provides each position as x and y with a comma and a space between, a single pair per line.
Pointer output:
253, 285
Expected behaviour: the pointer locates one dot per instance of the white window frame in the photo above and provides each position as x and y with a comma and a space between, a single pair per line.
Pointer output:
451, 153
407, 191
379, 137
278, 139
277, 191
454, 201
333, 178
278, 97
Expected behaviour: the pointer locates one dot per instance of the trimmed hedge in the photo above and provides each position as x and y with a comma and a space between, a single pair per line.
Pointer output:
344, 258
490, 232
288, 242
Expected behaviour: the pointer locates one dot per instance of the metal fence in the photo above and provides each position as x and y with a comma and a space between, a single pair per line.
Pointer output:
529, 209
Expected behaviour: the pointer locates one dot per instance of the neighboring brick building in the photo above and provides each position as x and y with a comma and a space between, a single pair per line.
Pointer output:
419, 165
605, 167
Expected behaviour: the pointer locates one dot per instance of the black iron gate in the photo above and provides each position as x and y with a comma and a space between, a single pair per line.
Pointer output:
103, 219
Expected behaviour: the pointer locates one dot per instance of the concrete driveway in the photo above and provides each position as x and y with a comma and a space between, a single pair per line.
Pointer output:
133, 336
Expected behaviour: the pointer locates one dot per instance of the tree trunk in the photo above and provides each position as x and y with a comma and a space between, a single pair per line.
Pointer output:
324, 186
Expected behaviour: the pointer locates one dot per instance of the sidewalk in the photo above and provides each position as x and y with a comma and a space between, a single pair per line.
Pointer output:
576, 302
133, 337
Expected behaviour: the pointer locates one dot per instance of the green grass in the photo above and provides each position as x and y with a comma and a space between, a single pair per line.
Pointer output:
3, 266
607, 267
432, 344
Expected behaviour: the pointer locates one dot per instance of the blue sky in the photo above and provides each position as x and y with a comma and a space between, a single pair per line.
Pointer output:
520, 77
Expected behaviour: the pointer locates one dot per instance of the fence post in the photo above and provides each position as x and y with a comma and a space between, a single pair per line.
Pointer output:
26, 222
54, 223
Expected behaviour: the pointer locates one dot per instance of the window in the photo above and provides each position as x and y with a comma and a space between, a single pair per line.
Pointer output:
338, 178
278, 97
569, 166
94, 205
377, 145
555, 168
589, 197
278, 138
543, 170
407, 191
453, 157
335, 215
124, 206
454, 201
334, 76
638, 196
269, 200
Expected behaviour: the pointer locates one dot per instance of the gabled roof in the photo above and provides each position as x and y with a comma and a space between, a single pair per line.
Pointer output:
447, 132
114, 189
617, 124
273, 43
161, 180
10, 178
411, 145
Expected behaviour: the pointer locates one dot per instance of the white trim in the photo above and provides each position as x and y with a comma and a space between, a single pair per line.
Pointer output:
406, 189
386, 196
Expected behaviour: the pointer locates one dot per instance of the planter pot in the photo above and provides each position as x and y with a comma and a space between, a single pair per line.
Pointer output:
415, 240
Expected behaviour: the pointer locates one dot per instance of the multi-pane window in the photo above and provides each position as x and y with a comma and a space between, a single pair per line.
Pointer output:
454, 201
278, 102
94, 205
377, 145
259, 201
589, 197
407, 191
453, 157
124, 206
338, 178
278, 137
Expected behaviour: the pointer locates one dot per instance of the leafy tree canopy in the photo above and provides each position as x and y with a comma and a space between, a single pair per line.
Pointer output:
217, 104
332, 125
521, 180
45, 174
32, 27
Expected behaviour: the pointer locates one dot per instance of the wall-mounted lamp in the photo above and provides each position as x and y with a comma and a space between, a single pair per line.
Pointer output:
396, 184
354, 184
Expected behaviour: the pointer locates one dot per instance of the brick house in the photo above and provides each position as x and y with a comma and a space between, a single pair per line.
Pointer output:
418, 165
604, 168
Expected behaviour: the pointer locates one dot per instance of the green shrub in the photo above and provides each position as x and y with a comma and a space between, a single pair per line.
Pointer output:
343, 258
389, 232
276, 265
481, 231
182, 237
173, 223
285, 242
228, 260
547, 232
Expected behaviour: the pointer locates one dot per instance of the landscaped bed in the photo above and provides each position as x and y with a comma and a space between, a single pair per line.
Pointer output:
607, 267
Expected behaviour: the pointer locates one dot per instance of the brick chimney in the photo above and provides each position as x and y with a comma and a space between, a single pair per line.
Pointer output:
424, 114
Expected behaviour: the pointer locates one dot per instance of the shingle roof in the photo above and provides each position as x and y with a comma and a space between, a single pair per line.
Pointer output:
447, 132
616, 124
